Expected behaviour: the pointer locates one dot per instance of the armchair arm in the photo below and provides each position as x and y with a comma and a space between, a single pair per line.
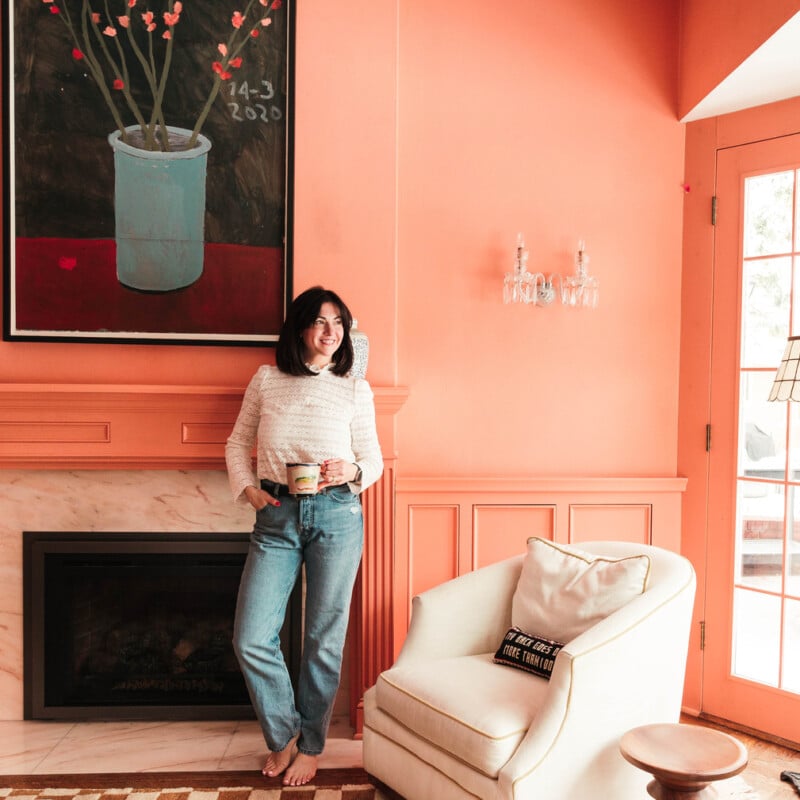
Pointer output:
625, 671
464, 616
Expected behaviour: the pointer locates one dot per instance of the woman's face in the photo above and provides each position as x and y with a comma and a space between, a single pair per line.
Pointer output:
323, 337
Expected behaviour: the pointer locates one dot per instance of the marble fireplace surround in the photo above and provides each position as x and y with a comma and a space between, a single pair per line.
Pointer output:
150, 459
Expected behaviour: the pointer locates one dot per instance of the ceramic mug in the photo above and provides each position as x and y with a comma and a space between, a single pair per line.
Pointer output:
302, 478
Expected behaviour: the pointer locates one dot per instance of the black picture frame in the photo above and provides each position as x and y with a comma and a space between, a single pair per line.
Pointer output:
65, 239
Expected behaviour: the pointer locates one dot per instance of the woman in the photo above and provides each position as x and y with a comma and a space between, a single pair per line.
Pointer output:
305, 409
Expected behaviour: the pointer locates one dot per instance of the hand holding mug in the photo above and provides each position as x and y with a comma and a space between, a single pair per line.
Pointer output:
336, 471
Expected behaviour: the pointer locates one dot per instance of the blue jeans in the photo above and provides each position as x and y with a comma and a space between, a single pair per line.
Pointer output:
326, 533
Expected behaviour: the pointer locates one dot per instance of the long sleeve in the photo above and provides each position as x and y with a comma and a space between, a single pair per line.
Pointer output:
240, 444
366, 448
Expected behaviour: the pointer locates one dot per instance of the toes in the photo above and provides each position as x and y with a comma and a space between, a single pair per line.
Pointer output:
302, 771
278, 762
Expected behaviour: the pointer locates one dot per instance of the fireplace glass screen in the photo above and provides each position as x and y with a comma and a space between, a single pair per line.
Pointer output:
136, 625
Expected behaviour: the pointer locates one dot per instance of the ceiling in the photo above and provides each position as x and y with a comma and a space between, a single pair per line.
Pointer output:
771, 73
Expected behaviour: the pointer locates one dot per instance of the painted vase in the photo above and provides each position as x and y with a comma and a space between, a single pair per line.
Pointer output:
159, 207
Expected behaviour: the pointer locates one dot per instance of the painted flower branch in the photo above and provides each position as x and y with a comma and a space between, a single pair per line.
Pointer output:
96, 43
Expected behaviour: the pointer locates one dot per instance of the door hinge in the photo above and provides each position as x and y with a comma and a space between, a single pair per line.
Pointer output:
714, 210
702, 635
708, 438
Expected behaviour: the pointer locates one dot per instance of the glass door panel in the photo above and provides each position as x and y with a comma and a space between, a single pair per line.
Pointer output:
751, 666
756, 644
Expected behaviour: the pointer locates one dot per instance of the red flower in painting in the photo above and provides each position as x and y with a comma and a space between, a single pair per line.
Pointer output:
105, 57
218, 68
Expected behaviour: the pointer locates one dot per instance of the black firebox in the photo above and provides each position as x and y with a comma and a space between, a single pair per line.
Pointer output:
136, 626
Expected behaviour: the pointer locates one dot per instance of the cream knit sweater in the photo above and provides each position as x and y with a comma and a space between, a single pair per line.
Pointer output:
302, 418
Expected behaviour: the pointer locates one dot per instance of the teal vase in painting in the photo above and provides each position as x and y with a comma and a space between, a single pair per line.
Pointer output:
159, 208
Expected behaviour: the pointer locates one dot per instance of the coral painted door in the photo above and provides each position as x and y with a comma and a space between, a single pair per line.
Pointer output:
751, 664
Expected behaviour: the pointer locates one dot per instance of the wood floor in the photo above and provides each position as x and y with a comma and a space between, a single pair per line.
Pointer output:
765, 764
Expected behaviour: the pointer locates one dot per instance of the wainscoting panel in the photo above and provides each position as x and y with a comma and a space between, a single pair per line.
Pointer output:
500, 531
433, 547
594, 523
445, 527
55, 433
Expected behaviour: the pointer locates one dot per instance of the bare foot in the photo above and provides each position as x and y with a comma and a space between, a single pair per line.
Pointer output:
278, 761
301, 770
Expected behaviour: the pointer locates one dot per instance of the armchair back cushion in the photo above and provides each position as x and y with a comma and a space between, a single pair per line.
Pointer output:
563, 591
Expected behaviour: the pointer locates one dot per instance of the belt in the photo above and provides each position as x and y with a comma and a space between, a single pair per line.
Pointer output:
275, 489
282, 490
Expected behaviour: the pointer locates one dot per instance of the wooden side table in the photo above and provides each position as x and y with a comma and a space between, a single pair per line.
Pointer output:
683, 759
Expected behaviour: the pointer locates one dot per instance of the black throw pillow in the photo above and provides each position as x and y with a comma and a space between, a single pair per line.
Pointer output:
529, 652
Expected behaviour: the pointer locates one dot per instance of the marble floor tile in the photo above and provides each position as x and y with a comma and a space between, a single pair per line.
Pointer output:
246, 749
139, 747
24, 745
39, 748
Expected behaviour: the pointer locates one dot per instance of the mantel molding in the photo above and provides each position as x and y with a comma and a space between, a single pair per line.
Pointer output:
133, 426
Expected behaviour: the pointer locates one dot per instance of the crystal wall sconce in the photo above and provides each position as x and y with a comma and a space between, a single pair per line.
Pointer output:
577, 290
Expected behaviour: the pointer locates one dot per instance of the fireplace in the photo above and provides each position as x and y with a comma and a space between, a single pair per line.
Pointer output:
117, 458
136, 626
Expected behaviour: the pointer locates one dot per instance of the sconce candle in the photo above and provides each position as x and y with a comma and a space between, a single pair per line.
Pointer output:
580, 289
517, 284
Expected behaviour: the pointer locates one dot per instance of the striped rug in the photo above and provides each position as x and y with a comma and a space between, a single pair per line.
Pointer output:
329, 784
338, 784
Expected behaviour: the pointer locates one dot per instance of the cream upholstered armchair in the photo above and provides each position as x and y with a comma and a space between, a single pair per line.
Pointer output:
447, 721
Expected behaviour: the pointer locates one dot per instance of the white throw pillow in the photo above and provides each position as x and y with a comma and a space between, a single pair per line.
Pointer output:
562, 590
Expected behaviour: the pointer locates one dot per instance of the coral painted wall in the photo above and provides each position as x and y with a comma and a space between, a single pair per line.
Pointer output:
556, 120
717, 36
428, 135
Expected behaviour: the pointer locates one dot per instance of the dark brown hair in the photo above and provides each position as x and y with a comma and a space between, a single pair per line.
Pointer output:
304, 310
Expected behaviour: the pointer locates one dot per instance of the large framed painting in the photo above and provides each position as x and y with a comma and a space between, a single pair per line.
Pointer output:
147, 170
